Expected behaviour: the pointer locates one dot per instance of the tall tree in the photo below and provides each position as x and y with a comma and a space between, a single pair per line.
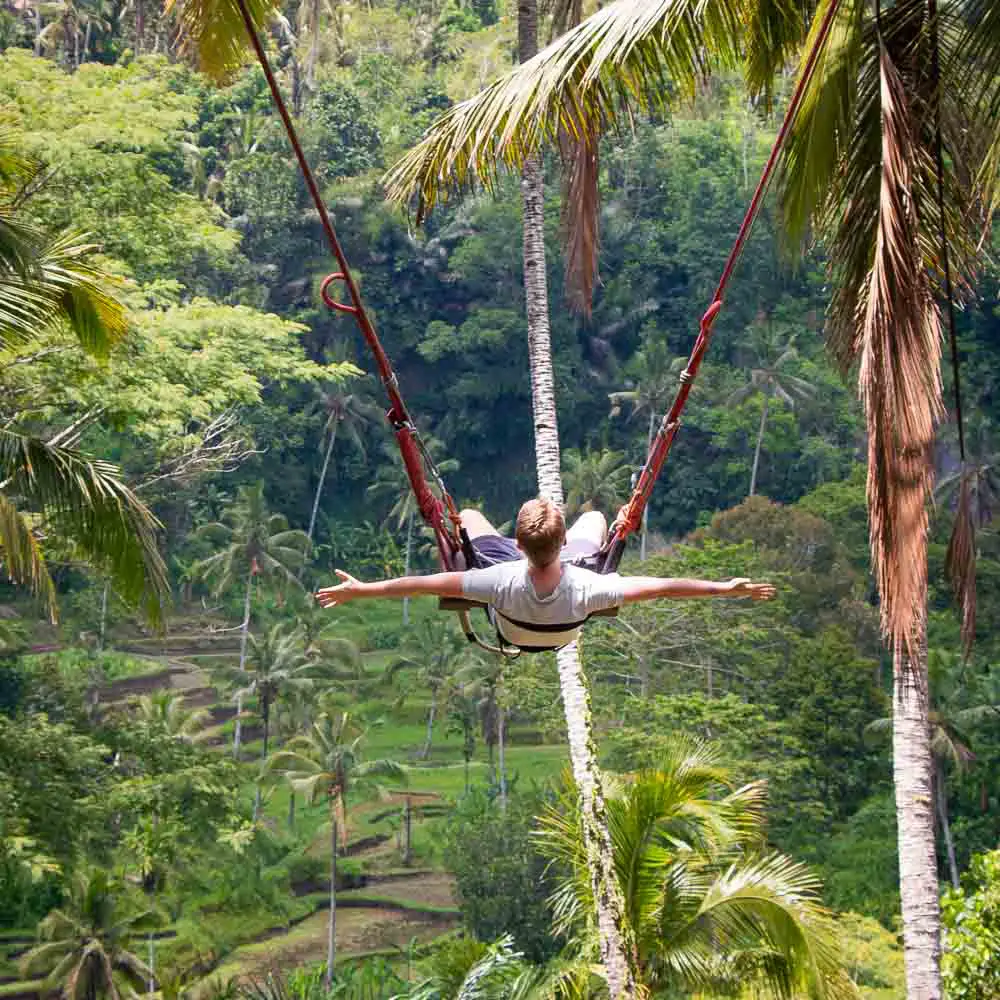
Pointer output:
656, 371
276, 665
616, 945
595, 480
326, 762
253, 542
392, 483
47, 486
711, 912
892, 155
770, 379
438, 652
347, 413
84, 943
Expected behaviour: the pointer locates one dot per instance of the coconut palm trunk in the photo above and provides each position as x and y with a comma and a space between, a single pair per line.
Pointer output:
244, 633
760, 441
616, 949
331, 930
913, 766
322, 478
265, 718
431, 713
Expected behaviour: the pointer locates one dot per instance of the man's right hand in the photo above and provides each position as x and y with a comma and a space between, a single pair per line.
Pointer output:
348, 589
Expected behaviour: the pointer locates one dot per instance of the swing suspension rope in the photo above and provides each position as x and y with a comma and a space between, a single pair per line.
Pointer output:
439, 511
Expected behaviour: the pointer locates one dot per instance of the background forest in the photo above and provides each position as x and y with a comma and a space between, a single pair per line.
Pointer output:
162, 803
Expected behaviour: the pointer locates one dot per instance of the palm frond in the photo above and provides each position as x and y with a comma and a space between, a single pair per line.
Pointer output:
899, 376
60, 285
581, 216
632, 51
21, 556
213, 32
86, 501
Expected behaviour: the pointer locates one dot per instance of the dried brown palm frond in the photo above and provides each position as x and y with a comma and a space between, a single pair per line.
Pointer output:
580, 216
898, 340
960, 559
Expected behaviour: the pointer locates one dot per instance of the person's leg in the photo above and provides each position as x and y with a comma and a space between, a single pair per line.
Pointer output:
476, 524
491, 547
586, 535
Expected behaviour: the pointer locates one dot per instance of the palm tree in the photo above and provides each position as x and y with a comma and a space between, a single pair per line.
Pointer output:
166, 712
346, 412
52, 282
595, 480
711, 910
276, 665
253, 543
438, 652
84, 944
656, 371
326, 762
892, 102
463, 712
770, 380
392, 482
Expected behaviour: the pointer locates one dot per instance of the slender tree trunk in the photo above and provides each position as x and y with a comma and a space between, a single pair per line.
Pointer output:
331, 930
313, 57
322, 480
104, 616
86, 41
501, 758
913, 769
406, 563
941, 801
244, 632
432, 711
756, 453
407, 832
467, 762
617, 950
291, 810
140, 25
38, 31
265, 716
151, 946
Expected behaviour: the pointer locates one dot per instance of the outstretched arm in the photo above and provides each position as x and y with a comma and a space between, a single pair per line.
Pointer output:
649, 588
349, 589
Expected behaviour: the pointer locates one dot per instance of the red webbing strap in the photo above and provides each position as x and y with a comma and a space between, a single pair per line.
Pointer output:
632, 515
431, 508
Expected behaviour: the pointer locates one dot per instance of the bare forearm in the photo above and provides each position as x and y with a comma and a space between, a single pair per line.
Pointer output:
650, 588
435, 584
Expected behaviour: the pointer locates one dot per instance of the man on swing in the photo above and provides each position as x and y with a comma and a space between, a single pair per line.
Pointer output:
539, 598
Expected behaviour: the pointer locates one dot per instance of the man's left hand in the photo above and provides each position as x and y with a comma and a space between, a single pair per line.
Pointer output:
743, 587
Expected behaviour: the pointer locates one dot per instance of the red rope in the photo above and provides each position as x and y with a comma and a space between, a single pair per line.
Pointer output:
415, 459
632, 516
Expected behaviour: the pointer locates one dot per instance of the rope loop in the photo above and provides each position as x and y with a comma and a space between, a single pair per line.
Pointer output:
330, 301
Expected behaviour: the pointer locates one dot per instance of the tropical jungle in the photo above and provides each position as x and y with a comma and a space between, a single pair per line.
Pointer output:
213, 788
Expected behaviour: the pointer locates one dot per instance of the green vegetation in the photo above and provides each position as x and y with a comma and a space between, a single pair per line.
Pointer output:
204, 776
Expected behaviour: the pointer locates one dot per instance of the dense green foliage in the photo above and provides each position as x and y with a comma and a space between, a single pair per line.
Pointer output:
236, 393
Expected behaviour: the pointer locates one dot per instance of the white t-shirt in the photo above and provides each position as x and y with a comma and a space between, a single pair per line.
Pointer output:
508, 589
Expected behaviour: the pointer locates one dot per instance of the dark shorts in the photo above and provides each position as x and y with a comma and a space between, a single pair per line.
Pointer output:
493, 549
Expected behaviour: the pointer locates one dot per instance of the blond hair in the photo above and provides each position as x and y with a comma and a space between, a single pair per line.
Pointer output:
540, 531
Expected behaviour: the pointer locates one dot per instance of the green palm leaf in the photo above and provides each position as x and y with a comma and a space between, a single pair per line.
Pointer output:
214, 34
87, 502
44, 283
